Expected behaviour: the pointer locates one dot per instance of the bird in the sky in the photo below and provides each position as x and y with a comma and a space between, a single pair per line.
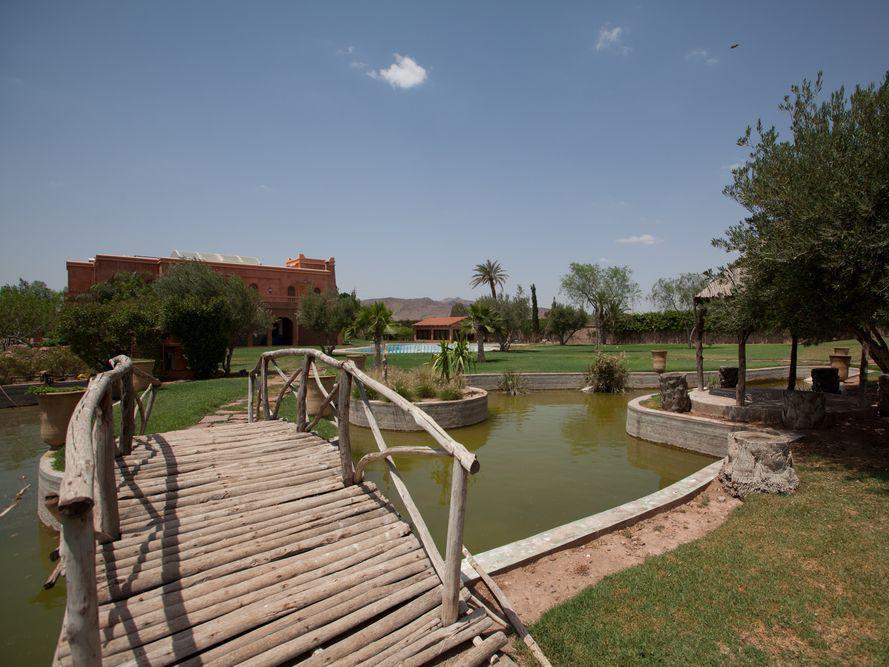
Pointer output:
734, 46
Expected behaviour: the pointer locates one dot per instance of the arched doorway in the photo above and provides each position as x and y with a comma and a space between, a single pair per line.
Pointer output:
282, 331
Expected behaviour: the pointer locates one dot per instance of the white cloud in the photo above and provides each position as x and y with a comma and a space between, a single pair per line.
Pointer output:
611, 39
348, 51
263, 188
357, 64
732, 167
644, 239
403, 73
702, 55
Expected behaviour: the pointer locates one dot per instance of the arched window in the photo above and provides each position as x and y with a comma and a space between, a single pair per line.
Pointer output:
291, 291
254, 286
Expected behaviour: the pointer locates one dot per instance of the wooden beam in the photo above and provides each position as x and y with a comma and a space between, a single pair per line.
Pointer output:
450, 606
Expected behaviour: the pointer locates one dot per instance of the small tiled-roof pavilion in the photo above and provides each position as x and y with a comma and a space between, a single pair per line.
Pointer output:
438, 328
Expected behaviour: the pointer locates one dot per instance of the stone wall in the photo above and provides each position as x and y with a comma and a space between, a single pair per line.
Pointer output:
447, 414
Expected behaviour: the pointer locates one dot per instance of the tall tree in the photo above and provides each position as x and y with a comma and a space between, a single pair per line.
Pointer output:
28, 311
489, 273
677, 294
375, 321
535, 313
329, 314
565, 321
820, 200
513, 316
608, 292
483, 320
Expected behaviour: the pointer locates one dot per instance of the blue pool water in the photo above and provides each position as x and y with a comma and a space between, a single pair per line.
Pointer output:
409, 348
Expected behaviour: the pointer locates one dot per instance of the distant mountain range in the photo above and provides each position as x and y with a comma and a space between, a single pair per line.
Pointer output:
418, 309
423, 307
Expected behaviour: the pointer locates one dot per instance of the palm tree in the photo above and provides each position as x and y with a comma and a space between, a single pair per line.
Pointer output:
490, 273
483, 319
375, 321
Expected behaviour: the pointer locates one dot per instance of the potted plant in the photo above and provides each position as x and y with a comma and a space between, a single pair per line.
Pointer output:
659, 360
56, 407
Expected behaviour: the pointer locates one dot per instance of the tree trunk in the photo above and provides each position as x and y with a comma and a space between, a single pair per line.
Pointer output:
493, 290
876, 347
862, 377
791, 373
378, 352
480, 340
600, 324
699, 344
742, 369
227, 362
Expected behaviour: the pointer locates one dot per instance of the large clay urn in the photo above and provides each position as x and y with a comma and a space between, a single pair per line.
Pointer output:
358, 360
841, 363
841, 350
56, 409
659, 360
314, 397
140, 382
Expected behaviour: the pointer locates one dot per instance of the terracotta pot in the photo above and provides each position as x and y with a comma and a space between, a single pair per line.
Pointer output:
55, 413
141, 383
314, 397
659, 360
841, 362
358, 360
841, 350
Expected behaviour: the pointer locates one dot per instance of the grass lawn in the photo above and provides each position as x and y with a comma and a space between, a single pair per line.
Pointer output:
794, 579
554, 358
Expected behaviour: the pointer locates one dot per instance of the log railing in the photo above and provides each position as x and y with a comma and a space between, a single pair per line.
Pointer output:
259, 406
86, 504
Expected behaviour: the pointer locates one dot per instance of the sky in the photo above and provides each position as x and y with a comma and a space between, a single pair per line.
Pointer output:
409, 140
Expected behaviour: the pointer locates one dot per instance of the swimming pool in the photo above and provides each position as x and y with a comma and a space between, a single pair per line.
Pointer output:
410, 348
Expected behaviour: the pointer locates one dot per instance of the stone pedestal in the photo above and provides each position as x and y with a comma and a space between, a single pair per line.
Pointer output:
883, 401
826, 379
728, 377
804, 409
674, 392
758, 462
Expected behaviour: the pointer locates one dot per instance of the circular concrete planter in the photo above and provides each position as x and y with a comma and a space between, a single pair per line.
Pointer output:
659, 360
140, 383
841, 362
48, 481
314, 397
55, 413
448, 414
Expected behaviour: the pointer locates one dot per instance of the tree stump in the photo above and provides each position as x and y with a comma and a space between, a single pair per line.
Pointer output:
758, 462
804, 409
674, 392
728, 377
883, 384
826, 380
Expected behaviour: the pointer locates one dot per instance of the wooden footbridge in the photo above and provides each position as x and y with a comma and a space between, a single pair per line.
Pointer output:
257, 543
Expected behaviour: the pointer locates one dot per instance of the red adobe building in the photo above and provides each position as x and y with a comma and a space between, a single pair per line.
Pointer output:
280, 286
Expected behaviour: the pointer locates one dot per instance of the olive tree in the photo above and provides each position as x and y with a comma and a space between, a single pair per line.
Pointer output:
607, 291
329, 314
677, 294
28, 311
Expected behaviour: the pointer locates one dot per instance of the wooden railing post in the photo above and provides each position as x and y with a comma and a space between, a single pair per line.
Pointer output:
82, 609
250, 390
264, 388
301, 421
345, 445
450, 604
128, 414
105, 482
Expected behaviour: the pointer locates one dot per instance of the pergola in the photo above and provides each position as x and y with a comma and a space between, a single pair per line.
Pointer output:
724, 285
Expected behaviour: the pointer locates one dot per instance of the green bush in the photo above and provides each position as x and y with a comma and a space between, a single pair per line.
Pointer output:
449, 392
202, 326
42, 389
512, 383
26, 363
608, 374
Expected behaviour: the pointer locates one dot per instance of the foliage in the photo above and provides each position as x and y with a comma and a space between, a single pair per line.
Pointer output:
203, 326
26, 363
489, 273
677, 294
329, 314
245, 313
608, 373
817, 237
513, 316
375, 322
512, 383
459, 309
609, 292
41, 389
535, 313
28, 310
564, 321
483, 319
441, 362
416, 384
452, 361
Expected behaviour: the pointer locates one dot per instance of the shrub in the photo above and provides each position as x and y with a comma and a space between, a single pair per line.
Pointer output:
42, 389
449, 392
512, 383
202, 326
608, 374
25, 363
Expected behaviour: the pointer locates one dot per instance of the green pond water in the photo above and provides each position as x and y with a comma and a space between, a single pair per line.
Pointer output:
546, 459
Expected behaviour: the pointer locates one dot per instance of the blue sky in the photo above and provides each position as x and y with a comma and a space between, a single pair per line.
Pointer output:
535, 133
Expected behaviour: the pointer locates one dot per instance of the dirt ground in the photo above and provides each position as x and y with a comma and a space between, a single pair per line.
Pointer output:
536, 586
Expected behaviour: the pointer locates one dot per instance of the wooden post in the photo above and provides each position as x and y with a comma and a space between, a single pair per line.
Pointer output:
450, 604
791, 373
345, 445
128, 414
105, 483
264, 387
301, 395
81, 607
699, 343
742, 369
250, 395
862, 377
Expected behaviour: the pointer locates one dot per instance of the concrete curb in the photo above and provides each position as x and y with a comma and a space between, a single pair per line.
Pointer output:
518, 552
48, 481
